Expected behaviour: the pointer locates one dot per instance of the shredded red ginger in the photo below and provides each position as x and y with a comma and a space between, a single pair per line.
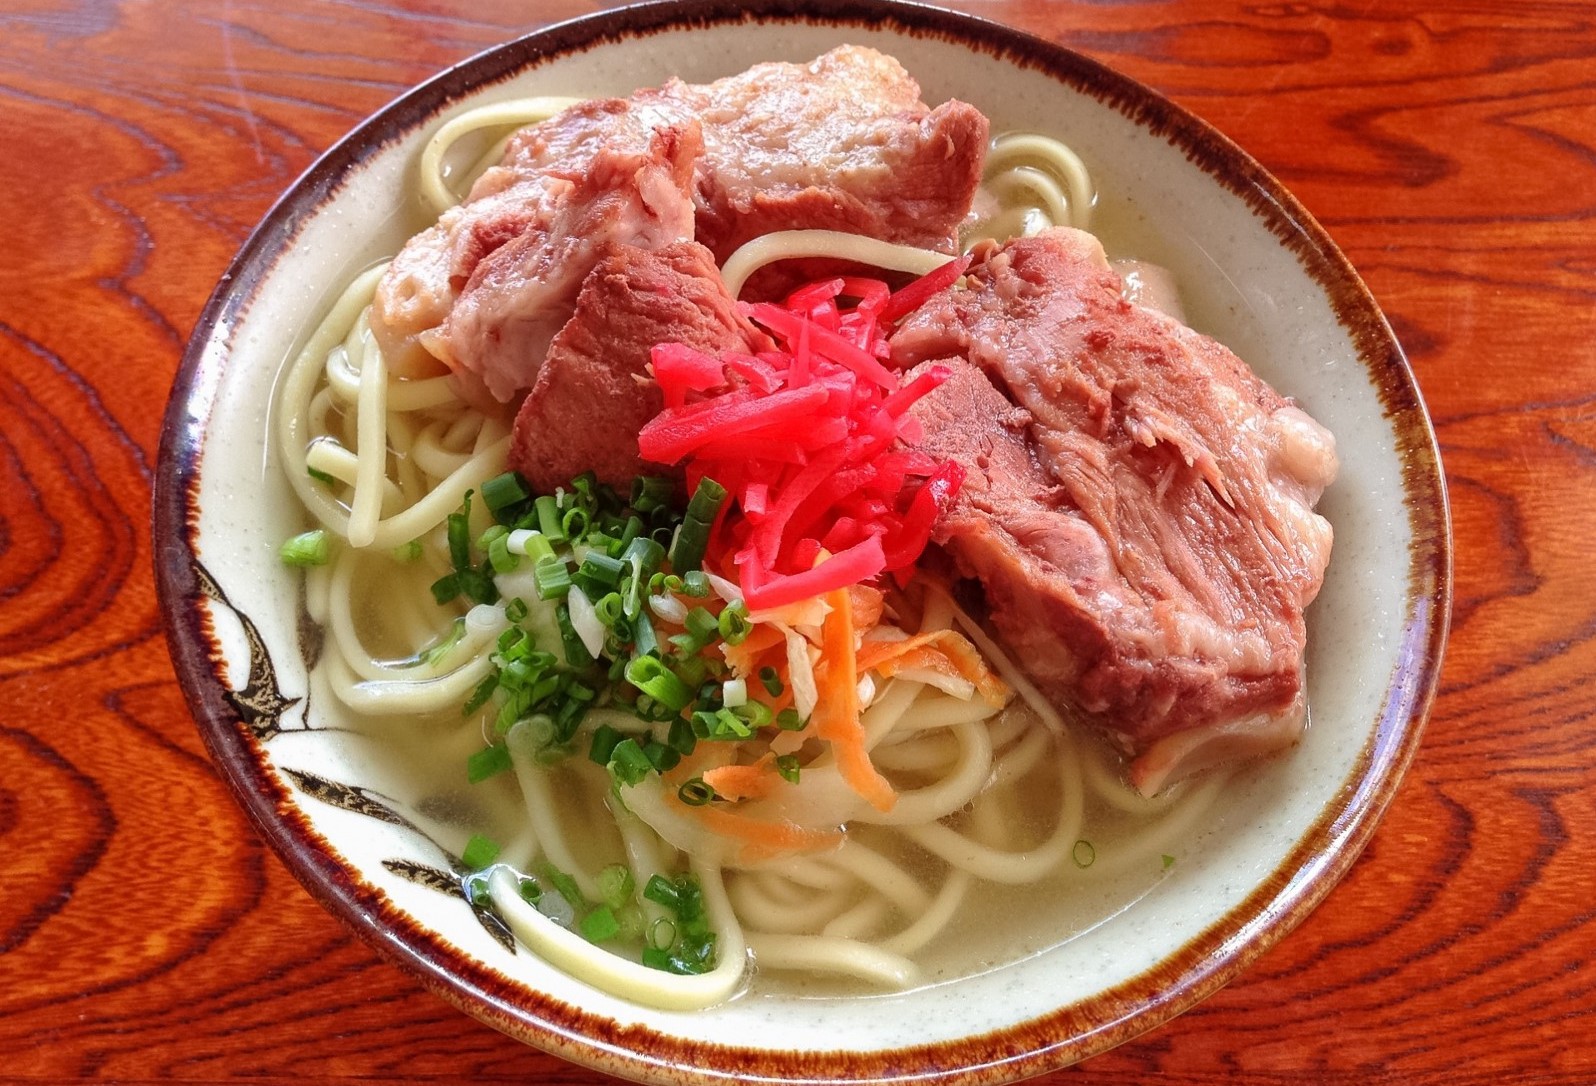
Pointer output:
813, 441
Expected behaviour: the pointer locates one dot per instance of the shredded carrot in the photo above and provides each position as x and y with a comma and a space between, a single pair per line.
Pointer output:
836, 717
741, 657
959, 656
868, 604
735, 782
761, 839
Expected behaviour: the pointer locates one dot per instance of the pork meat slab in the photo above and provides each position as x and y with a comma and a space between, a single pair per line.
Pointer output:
593, 392
1139, 506
841, 143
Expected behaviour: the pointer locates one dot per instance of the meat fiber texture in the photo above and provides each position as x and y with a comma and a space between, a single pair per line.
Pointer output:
842, 143
593, 392
486, 289
1138, 505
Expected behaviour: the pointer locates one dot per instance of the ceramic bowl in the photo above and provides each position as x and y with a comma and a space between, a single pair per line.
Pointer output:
1257, 272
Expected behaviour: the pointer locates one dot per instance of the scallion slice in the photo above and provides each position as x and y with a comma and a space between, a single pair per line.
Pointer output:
312, 548
479, 852
695, 793
656, 680
487, 762
628, 764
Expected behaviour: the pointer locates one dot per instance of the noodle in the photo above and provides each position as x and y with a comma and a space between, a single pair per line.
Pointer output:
395, 456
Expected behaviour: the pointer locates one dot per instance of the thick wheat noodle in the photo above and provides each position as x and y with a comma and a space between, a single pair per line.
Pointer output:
947, 795
408, 696
1023, 866
875, 870
844, 956
930, 922
759, 908
924, 754
617, 975
543, 812
865, 916
1019, 150
513, 113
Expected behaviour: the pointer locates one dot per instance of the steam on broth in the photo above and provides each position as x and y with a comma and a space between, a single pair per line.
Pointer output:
667, 830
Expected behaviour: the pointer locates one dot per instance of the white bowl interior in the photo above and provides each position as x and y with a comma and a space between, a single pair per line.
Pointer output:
1241, 284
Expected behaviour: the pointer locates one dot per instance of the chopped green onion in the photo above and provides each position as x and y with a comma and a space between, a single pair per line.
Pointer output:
662, 891
320, 476
446, 588
644, 641
531, 892
552, 578
721, 724
548, 514
479, 697
435, 653
598, 573
693, 670
564, 885
661, 933
616, 885
503, 493
576, 653
687, 552
600, 925
631, 531
681, 736
515, 610
459, 532
602, 747
695, 793
695, 583
789, 720
757, 713
608, 609
501, 557
644, 551
771, 681
706, 500
787, 765
702, 625
537, 547
493, 531
1083, 853
574, 524
658, 682
311, 548
734, 624
1169, 861
487, 762
628, 764
476, 585
407, 552
479, 852
662, 757
651, 492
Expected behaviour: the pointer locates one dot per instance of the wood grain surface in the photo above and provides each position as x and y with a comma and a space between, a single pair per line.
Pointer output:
147, 936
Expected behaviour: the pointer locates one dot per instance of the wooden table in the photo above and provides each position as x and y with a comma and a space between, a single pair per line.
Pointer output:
147, 935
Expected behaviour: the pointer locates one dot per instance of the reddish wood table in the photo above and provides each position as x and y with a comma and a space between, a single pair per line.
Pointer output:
148, 936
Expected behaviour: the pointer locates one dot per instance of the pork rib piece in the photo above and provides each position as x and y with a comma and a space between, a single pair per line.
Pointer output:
1138, 506
593, 393
842, 143
487, 287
